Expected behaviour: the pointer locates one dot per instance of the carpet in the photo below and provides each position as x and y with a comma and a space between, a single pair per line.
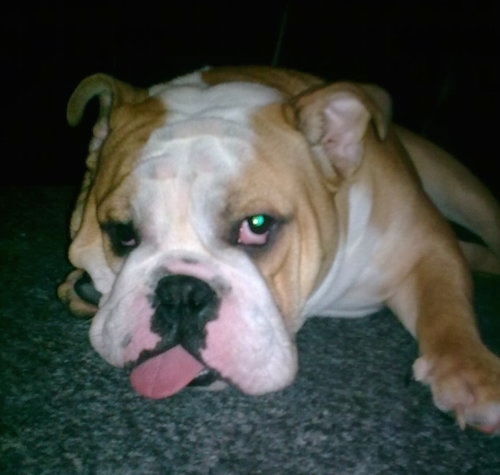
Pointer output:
353, 409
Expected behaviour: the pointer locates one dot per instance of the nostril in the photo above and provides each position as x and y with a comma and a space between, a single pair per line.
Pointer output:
183, 306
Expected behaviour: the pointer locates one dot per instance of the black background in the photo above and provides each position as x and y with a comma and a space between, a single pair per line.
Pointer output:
438, 59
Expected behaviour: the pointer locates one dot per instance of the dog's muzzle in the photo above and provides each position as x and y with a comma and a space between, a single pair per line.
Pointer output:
183, 305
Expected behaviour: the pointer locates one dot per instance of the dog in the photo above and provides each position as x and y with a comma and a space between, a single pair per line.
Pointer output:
221, 209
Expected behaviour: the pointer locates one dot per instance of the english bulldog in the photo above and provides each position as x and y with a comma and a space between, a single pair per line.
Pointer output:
223, 208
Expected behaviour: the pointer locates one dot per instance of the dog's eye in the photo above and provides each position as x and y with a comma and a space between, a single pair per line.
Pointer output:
122, 236
255, 230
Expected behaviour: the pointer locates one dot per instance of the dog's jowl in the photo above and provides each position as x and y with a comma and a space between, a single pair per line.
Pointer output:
221, 209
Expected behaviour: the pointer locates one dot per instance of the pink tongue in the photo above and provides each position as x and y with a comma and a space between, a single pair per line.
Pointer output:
165, 374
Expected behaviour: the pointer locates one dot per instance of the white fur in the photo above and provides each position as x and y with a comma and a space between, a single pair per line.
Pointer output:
188, 97
348, 290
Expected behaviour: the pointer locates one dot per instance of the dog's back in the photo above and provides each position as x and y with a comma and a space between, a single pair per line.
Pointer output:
461, 197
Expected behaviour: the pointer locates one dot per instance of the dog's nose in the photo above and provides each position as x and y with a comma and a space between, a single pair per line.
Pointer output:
183, 306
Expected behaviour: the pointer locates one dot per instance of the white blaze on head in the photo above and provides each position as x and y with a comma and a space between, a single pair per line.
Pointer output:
188, 97
182, 191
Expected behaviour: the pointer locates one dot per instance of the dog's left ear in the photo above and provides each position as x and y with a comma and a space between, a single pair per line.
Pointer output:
335, 120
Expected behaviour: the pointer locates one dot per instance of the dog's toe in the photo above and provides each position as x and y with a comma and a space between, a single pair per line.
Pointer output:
485, 418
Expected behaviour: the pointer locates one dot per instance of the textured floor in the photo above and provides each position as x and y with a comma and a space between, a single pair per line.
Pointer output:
352, 410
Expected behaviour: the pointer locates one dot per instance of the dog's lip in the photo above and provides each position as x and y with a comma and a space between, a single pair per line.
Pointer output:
206, 377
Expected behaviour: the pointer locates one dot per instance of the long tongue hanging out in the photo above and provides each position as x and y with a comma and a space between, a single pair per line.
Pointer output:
166, 374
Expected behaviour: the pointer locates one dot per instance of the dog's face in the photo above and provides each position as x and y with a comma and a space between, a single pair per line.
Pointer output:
205, 223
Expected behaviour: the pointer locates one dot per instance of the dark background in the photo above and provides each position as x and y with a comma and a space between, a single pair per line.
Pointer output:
438, 59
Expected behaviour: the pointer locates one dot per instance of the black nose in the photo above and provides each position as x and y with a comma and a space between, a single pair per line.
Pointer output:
183, 306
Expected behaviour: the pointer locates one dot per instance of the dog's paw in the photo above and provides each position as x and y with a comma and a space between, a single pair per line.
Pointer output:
466, 384
79, 294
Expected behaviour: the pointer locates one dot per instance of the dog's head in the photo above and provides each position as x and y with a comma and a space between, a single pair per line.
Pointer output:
207, 218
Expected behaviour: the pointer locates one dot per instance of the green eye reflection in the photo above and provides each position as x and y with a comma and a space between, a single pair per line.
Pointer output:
260, 223
258, 220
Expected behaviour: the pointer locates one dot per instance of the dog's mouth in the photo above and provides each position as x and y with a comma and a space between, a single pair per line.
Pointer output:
167, 373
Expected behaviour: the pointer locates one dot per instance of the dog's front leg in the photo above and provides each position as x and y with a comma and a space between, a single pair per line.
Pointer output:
79, 293
434, 303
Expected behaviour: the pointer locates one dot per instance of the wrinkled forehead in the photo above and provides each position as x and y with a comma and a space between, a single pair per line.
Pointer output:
207, 129
186, 173
193, 158
204, 142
